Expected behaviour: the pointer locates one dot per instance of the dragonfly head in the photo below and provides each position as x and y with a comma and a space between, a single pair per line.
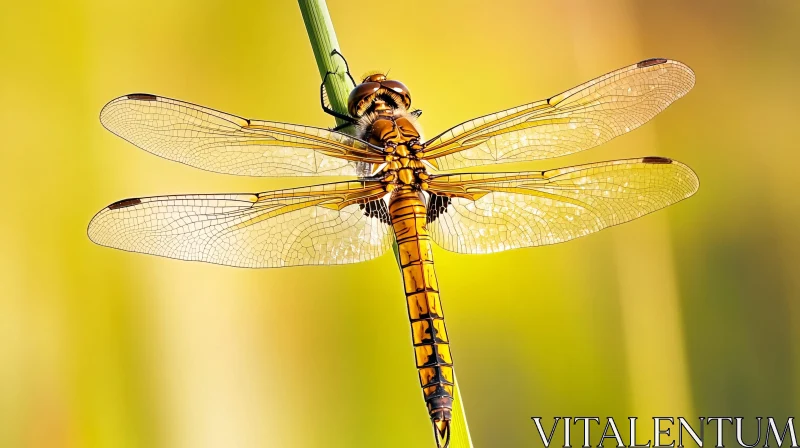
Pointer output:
376, 93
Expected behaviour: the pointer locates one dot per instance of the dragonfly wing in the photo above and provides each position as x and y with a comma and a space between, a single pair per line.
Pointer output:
578, 119
484, 213
337, 223
224, 143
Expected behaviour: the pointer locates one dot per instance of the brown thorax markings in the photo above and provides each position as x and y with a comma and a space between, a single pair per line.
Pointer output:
400, 141
381, 105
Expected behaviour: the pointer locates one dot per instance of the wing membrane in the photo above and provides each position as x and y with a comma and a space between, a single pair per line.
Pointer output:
216, 141
337, 223
578, 119
483, 213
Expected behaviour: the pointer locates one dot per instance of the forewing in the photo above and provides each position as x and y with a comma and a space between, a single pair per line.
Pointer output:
337, 223
484, 213
578, 119
216, 141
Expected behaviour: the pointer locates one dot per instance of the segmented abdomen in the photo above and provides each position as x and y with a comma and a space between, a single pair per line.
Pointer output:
431, 345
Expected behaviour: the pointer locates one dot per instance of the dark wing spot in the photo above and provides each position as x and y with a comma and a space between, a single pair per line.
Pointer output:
142, 97
649, 62
437, 205
376, 209
125, 203
657, 160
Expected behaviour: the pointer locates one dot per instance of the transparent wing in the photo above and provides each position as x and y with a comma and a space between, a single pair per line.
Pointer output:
578, 119
483, 213
216, 141
337, 223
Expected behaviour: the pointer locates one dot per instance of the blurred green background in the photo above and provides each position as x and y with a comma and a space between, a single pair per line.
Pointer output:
691, 311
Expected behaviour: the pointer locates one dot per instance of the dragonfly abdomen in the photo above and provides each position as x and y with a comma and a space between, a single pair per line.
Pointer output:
434, 362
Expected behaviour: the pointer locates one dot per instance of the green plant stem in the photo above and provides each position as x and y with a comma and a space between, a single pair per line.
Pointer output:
323, 42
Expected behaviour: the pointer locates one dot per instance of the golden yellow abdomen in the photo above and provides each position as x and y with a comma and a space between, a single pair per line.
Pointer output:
407, 210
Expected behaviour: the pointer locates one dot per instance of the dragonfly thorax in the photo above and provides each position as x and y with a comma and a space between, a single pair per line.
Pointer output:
403, 167
400, 140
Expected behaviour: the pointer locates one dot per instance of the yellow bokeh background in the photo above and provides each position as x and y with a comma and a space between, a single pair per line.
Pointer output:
694, 310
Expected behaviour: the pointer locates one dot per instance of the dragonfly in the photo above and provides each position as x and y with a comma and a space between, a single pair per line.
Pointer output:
398, 191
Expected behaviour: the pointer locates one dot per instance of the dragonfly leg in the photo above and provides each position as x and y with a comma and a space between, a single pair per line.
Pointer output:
328, 110
346, 65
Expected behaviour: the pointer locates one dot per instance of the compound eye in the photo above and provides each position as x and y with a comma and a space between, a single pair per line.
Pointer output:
395, 86
358, 95
400, 89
